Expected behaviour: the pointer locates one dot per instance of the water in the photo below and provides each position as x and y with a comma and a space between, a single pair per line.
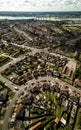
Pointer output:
14, 18
59, 19
39, 18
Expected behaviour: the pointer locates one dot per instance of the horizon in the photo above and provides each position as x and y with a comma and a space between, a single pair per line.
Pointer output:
41, 11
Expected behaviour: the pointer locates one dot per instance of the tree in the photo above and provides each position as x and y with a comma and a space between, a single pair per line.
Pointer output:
77, 73
77, 56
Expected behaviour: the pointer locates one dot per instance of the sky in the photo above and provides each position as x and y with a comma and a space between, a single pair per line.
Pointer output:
40, 5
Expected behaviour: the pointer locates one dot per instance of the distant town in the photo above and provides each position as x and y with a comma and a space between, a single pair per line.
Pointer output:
40, 74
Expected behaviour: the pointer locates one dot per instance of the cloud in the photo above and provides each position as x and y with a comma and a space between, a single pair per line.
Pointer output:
40, 5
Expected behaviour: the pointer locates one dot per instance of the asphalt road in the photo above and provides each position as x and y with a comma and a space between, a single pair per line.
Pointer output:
15, 60
9, 109
8, 83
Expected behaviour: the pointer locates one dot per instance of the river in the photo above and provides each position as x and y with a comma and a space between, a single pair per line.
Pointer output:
39, 18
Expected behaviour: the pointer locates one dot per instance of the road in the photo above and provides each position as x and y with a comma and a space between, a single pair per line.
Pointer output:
15, 60
23, 33
8, 83
33, 50
9, 109
73, 40
58, 81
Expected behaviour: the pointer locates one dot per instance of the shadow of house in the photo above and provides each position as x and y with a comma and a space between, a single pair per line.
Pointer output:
3, 97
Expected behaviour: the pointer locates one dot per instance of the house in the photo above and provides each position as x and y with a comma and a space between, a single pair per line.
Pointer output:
2, 45
1, 103
46, 86
58, 96
66, 105
56, 120
69, 68
38, 97
49, 72
64, 93
56, 73
74, 111
36, 126
28, 100
12, 67
74, 99
56, 88
36, 73
7, 71
35, 90
77, 83
28, 75
42, 72
20, 78
63, 121
20, 114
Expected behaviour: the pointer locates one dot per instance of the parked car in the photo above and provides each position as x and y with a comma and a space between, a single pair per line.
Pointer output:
16, 88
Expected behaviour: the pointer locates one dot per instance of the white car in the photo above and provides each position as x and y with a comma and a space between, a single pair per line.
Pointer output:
16, 88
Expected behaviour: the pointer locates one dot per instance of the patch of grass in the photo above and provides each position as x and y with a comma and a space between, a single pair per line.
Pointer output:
59, 111
67, 80
78, 120
2, 113
68, 128
0, 126
11, 94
